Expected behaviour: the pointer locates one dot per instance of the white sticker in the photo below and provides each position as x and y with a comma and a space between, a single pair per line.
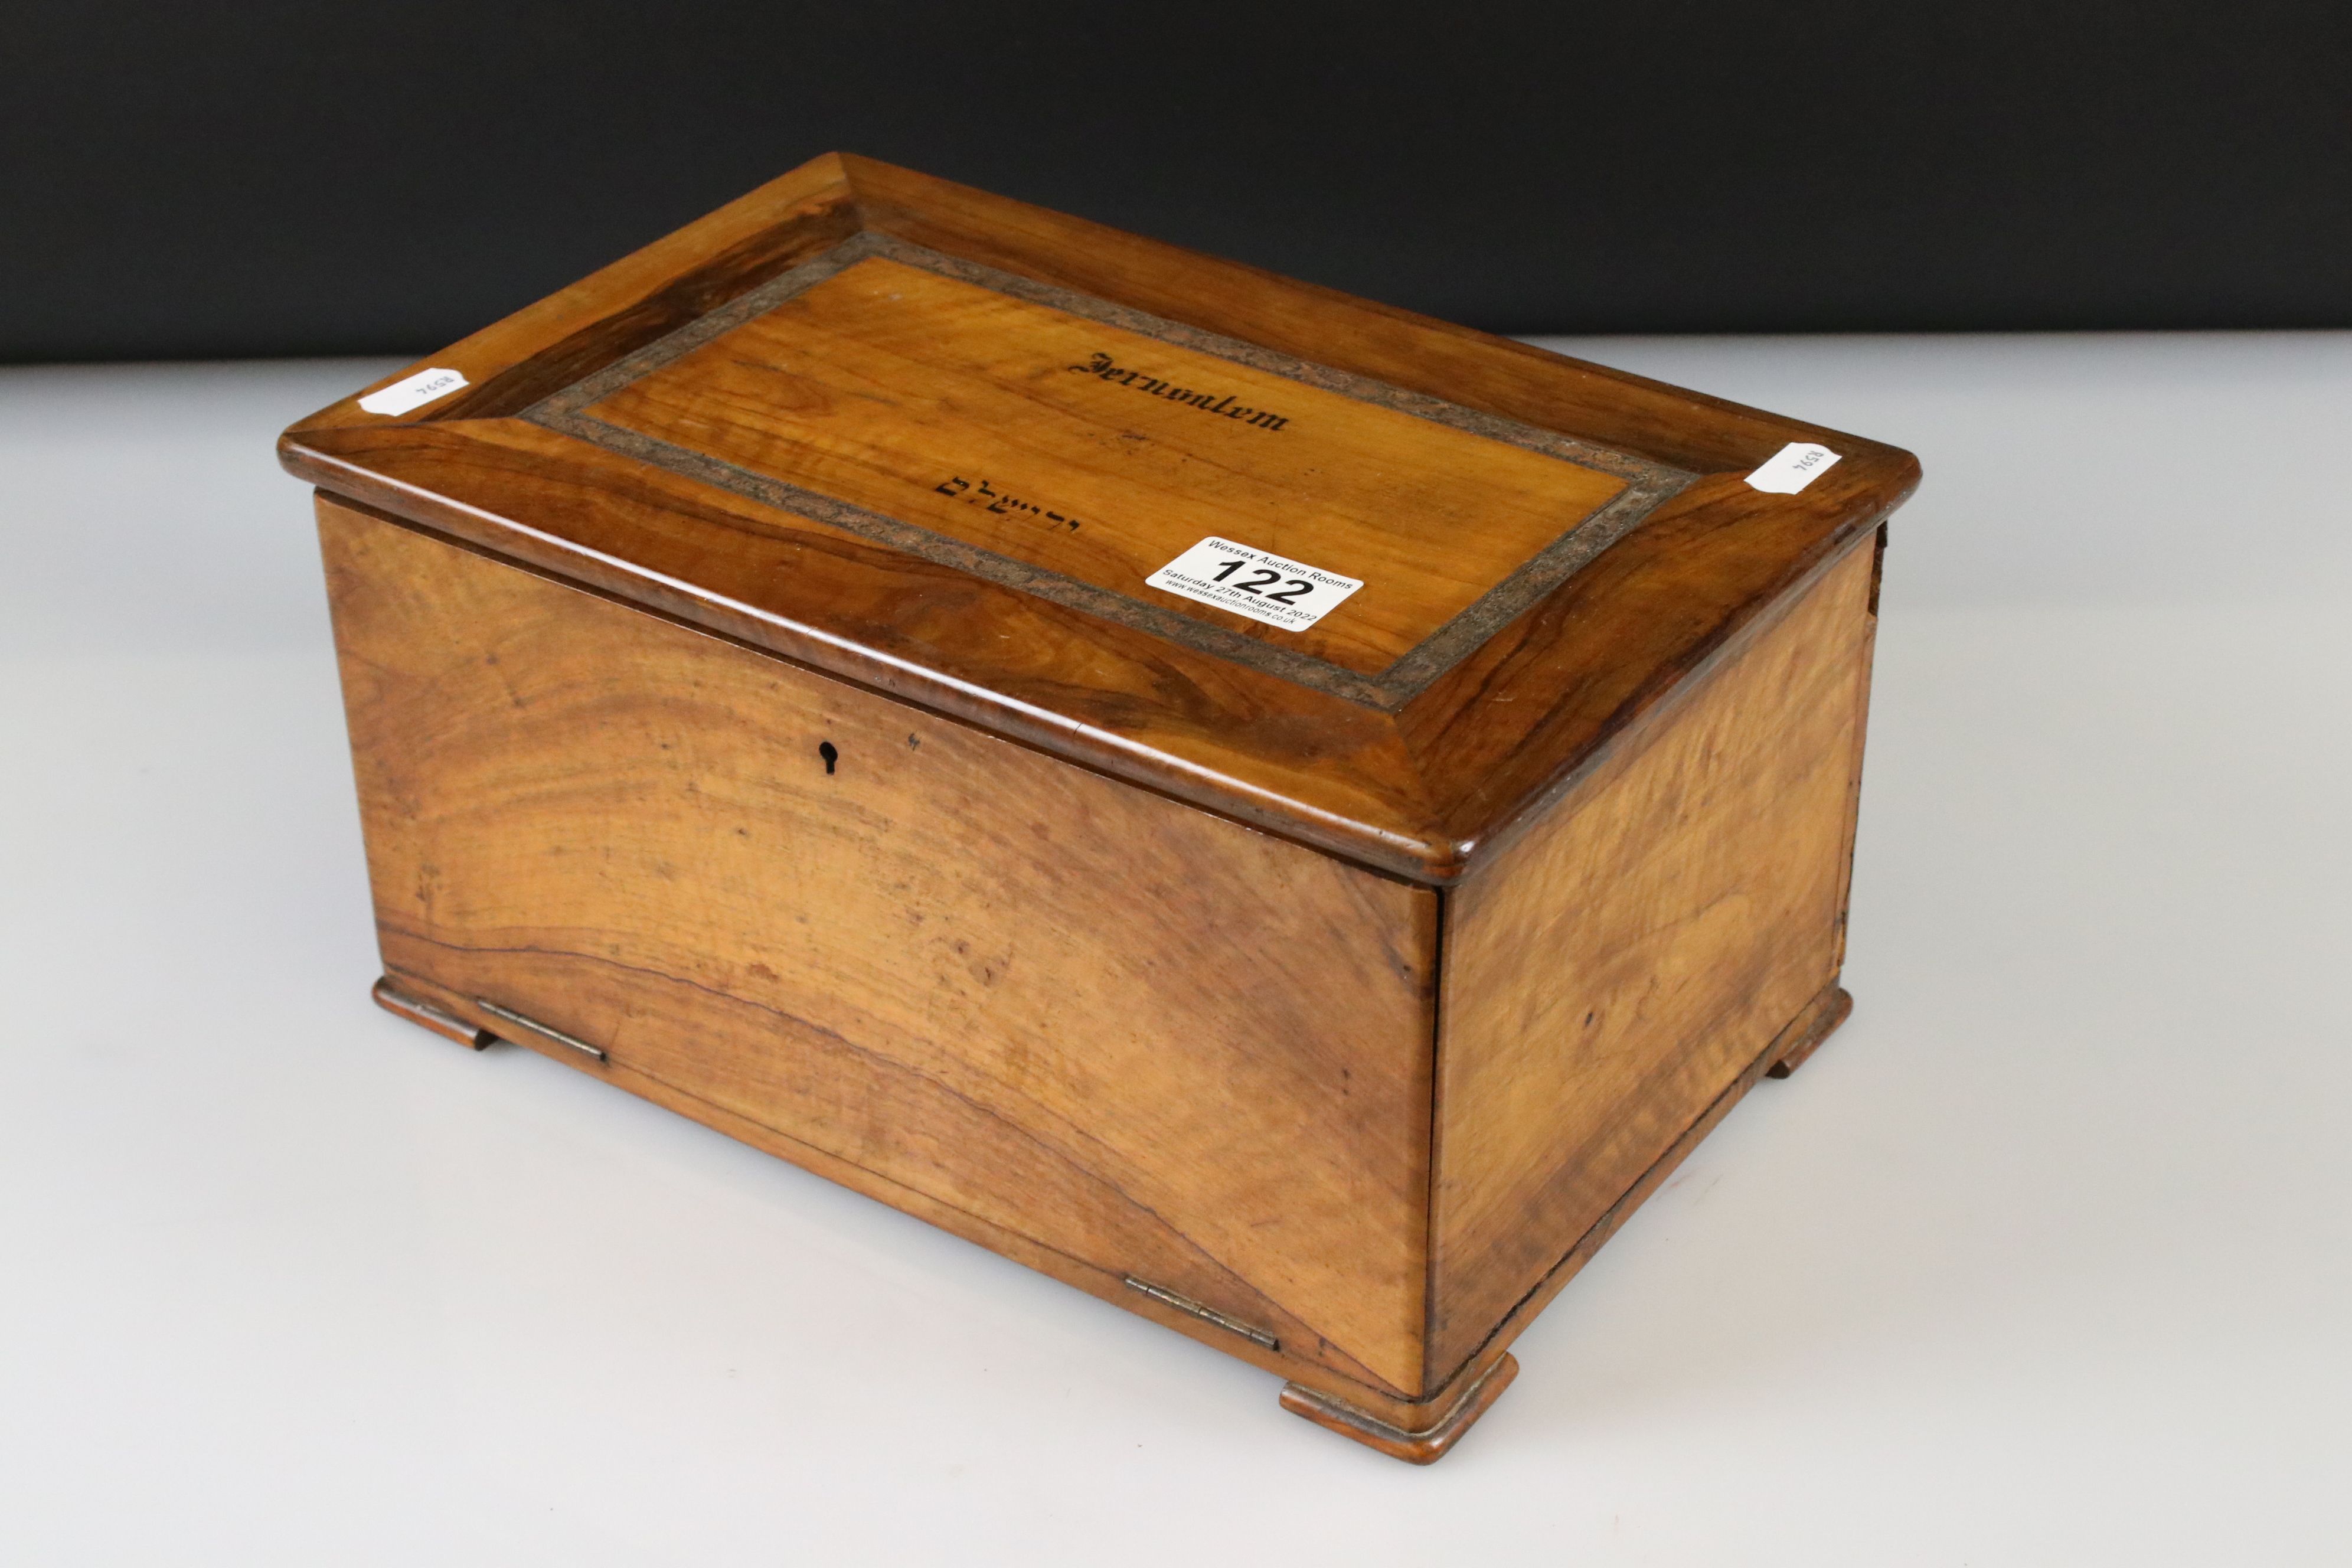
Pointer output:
1252, 583
414, 392
1792, 467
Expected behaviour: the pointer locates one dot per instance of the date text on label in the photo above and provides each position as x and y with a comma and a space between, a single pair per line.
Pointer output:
1269, 588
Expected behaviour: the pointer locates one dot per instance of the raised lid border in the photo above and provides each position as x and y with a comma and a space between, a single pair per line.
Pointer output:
1429, 792
1648, 483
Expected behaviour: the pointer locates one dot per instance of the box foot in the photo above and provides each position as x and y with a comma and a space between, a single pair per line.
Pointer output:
1805, 1034
1425, 1446
425, 1015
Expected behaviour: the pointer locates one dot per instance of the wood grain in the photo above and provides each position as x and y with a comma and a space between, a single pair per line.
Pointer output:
1617, 969
579, 330
1612, 1219
1495, 375
1423, 792
1330, 1015
895, 388
1130, 1031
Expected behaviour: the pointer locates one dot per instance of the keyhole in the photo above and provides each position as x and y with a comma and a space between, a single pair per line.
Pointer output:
825, 749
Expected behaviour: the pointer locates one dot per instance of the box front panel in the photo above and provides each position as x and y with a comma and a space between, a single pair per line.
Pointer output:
1620, 967
1138, 1035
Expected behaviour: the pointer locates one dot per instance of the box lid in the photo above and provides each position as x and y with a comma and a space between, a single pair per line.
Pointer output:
1361, 578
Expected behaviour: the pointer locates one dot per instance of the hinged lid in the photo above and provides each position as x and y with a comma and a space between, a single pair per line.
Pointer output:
1370, 581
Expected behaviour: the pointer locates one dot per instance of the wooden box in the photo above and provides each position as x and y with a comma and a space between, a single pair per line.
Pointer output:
1285, 814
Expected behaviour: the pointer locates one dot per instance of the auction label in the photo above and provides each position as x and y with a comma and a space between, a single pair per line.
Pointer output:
1269, 588
414, 392
1792, 467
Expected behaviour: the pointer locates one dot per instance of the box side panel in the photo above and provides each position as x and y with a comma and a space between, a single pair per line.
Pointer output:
1115, 1028
1624, 964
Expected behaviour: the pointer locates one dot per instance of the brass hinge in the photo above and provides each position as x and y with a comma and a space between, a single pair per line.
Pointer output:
536, 1027
1210, 1314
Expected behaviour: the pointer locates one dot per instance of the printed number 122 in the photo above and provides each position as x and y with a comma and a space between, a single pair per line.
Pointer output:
1259, 584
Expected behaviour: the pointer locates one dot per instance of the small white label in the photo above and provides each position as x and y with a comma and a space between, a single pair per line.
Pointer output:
1792, 467
414, 392
1252, 583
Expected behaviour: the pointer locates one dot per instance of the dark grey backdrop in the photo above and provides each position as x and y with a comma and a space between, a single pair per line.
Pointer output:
281, 178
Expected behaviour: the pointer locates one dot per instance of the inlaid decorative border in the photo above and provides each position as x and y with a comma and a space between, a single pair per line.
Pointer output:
1647, 483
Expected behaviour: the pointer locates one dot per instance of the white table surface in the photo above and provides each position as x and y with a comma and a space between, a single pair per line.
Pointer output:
2045, 1259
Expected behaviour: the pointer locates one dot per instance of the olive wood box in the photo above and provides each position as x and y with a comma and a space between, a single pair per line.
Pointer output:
1285, 814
